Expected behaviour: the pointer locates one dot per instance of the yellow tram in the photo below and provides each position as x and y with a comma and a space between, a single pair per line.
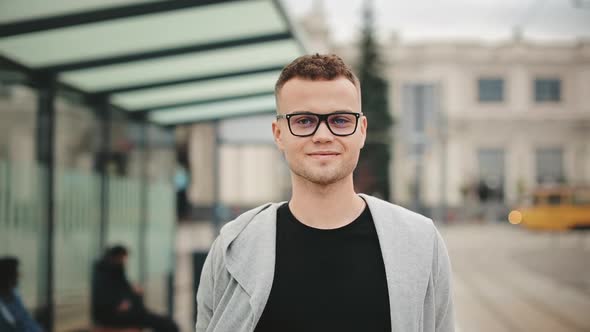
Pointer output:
555, 208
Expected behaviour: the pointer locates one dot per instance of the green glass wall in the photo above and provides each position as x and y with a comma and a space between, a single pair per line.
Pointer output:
161, 209
124, 219
138, 209
22, 180
21, 224
77, 211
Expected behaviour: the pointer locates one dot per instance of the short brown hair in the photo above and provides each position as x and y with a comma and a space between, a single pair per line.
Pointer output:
316, 67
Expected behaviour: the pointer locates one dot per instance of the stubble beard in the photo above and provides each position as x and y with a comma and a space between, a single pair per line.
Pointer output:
323, 175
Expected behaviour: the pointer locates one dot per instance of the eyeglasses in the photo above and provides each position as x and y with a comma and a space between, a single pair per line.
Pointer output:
305, 124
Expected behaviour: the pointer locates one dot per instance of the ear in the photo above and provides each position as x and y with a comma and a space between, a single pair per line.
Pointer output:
276, 132
363, 129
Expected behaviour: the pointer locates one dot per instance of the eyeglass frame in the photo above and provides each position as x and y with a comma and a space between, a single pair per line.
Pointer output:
322, 118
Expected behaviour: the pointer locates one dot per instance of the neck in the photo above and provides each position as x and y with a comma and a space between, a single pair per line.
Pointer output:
325, 206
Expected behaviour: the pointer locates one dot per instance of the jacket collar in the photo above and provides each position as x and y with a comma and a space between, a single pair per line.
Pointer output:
249, 244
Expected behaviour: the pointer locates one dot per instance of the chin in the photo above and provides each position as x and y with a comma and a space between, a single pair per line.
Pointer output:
325, 178
321, 174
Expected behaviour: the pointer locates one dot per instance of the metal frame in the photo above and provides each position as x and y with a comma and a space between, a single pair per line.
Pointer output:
201, 47
46, 126
194, 79
128, 11
295, 34
99, 15
203, 102
231, 116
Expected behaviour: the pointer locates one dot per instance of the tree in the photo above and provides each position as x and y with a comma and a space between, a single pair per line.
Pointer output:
372, 174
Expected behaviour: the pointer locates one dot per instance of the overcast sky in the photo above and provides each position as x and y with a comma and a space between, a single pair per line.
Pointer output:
490, 20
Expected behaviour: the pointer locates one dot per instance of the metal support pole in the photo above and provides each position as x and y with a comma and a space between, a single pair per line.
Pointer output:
216, 174
419, 147
442, 135
46, 124
418, 179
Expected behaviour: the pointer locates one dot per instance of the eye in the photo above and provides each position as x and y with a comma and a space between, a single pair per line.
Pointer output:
303, 120
341, 120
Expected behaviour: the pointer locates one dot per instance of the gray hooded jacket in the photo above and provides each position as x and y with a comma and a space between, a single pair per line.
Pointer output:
238, 272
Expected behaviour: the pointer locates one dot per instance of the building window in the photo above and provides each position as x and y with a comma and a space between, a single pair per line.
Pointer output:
420, 104
491, 90
547, 90
549, 164
491, 175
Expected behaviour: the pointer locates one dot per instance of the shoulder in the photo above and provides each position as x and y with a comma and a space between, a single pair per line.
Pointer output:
390, 213
400, 229
250, 218
246, 226
408, 232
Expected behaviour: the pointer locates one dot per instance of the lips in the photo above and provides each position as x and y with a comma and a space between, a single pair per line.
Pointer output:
323, 154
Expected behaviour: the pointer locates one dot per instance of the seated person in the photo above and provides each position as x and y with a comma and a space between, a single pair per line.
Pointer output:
13, 315
115, 302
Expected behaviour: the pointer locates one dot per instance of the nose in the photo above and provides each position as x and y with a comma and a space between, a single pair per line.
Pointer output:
323, 134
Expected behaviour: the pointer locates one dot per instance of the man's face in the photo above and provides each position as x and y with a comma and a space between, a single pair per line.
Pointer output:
322, 158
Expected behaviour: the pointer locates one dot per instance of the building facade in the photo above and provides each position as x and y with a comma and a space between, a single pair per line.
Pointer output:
479, 125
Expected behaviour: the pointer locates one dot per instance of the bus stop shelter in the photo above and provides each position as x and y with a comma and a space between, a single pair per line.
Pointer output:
155, 63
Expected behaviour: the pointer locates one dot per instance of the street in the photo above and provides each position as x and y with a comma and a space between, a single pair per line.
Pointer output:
510, 279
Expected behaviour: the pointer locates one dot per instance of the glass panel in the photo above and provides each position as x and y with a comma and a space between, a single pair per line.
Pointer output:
124, 168
161, 154
243, 106
160, 241
194, 91
249, 130
491, 89
419, 105
185, 66
77, 222
11, 11
22, 197
191, 26
491, 173
161, 215
124, 219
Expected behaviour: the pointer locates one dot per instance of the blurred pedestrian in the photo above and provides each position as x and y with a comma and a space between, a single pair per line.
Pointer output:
329, 259
116, 302
14, 317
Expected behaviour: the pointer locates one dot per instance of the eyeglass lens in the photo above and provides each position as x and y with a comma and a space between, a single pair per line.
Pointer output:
339, 124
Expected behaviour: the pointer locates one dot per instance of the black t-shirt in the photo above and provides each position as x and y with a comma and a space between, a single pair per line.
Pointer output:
327, 280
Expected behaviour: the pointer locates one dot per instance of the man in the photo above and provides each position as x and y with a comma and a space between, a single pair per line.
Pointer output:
115, 302
329, 259
14, 317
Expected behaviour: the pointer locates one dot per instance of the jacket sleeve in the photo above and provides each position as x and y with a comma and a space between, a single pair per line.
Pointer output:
205, 293
444, 320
